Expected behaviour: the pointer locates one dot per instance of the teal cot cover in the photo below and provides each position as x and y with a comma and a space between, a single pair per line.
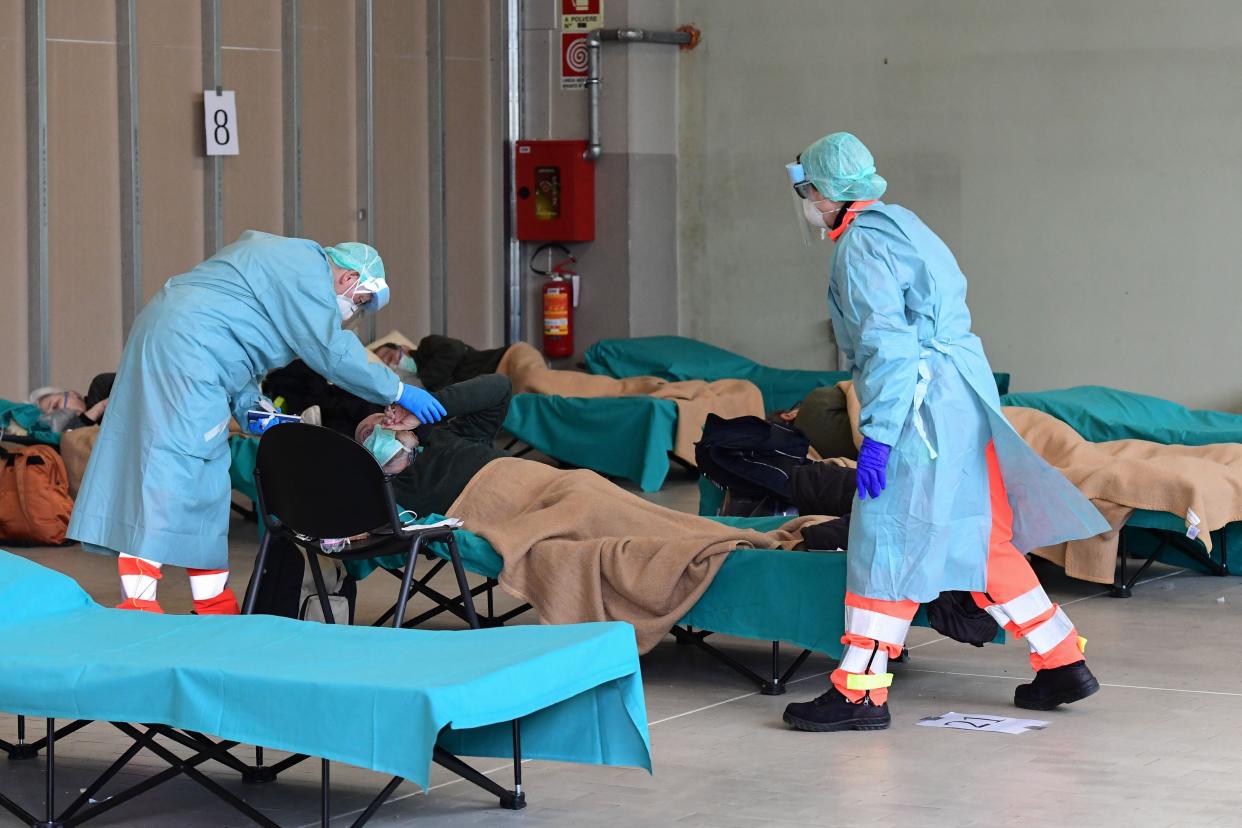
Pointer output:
372, 697
1102, 414
677, 358
765, 594
628, 437
244, 450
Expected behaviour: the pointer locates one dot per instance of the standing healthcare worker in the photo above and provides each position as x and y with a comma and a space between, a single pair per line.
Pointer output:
949, 495
156, 490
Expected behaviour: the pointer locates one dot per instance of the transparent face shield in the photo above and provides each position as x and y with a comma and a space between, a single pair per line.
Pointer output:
801, 188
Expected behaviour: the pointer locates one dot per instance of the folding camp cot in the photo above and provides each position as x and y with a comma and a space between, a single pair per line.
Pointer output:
631, 437
771, 595
1101, 414
389, 700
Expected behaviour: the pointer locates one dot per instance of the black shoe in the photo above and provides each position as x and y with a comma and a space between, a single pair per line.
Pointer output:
1060, 685
833, 711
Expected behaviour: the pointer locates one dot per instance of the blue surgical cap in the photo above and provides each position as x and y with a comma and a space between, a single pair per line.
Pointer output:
842, 169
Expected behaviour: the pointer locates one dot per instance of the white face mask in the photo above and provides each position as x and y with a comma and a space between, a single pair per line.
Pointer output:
813, 216
346, 306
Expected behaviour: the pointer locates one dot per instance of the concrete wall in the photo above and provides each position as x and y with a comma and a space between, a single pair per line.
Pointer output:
1081, 160
84, 175
629, 273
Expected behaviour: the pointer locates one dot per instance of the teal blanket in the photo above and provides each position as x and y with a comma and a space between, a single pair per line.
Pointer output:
677, 358
377, 698
1102, 414
628, 437
26, 416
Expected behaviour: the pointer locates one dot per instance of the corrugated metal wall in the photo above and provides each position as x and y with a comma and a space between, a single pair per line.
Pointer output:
88, 106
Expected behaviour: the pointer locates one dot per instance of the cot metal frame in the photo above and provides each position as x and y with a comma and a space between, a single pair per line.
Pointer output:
454, 605
773, 684
1123, 587
86, 807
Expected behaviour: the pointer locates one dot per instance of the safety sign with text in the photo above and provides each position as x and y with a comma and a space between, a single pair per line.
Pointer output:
581, 15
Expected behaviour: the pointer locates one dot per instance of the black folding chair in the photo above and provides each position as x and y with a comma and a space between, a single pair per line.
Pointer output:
314, 484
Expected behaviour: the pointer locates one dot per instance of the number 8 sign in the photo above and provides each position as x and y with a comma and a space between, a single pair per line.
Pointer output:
220, 122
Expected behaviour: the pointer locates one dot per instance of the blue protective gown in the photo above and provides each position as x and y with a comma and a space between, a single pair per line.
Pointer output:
898, 304
157, 485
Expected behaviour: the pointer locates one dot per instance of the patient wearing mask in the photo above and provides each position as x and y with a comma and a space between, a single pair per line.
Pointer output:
430, 465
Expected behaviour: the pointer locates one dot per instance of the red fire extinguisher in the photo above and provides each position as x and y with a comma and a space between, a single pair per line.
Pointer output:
558, 303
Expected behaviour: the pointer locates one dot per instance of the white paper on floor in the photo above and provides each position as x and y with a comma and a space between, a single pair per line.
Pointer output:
981, 723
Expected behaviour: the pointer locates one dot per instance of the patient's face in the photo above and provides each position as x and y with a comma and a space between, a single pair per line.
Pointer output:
390, 354
407, 438
70, 400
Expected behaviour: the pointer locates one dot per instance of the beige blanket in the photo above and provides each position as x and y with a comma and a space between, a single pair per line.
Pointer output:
1122, 476
578, 548
695, 399
75, 449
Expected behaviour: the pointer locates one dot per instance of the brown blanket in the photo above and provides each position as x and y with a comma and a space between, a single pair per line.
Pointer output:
1122, 476
578, 548
75, 449
524, 367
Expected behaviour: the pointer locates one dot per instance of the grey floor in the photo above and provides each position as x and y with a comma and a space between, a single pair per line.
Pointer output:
1158, 746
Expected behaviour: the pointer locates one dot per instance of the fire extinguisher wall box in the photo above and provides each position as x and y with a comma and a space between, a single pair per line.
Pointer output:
555, 191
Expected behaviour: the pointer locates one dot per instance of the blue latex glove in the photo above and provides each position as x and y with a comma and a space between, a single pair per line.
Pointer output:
872, 462
260, 426
421, 404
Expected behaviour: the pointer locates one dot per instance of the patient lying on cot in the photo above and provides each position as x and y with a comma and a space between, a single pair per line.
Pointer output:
440, 460
575, 546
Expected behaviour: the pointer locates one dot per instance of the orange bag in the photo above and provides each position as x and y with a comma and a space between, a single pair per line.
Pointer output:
34, 496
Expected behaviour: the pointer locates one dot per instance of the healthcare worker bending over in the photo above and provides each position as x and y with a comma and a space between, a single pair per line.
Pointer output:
949, 496
156, 490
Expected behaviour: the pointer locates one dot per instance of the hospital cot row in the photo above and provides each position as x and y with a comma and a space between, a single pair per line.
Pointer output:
632, 437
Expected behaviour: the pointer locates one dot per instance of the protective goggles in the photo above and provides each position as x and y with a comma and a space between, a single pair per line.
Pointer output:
797, 177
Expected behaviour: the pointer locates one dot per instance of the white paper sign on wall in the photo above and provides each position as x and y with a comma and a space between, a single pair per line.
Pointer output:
220, 122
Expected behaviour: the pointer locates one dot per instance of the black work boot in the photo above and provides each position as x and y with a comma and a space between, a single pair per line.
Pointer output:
1060, 685
833, 711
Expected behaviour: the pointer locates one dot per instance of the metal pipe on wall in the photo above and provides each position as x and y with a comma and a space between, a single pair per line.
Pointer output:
131, 171
36, 192
365, 31
514, 311
291, 122
213, 189
437, 209
687, 37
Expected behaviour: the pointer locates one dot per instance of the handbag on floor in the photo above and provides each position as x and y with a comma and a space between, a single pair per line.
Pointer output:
34, 496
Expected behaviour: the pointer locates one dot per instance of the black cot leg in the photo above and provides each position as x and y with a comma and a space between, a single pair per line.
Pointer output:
1120, 588
23, 749
325, 804
51, 821
519, 796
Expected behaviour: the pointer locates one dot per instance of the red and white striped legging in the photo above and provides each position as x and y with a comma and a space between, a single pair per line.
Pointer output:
140, 578
875, 629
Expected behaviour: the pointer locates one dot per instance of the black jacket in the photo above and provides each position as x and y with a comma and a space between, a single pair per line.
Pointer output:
443, 361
